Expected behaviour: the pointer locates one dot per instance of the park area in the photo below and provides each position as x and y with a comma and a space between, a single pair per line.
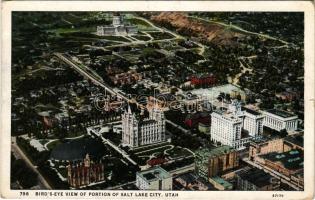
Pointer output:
163, 150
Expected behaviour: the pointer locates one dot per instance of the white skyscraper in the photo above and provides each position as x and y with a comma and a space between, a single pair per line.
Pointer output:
253, 122
227, 126
138, 132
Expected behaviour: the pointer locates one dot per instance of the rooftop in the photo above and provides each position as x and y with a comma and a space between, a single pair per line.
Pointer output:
220, 151
206, 152
295, 139
280, 113
250, 111
214, 92
188, 178
291, 160
255, 176
222, 182
154, 173
228, 115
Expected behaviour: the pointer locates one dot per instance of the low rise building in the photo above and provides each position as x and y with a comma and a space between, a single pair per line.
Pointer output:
155, 178
126, 78
288, 164
294, 142
253, 179
193, 120
203, 79
280, 120
220, 183
264, 146
204, 127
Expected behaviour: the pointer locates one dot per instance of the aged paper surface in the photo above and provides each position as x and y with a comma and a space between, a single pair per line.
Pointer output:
157, 100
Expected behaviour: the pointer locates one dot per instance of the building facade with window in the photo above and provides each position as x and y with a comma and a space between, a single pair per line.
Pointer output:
254, 179
236, 126
280, 120
117, 27
155, 178
213, 162
137, 132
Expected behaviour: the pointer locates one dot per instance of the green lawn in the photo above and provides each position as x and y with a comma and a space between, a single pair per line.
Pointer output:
154, 151
148, 147
75, 134
179, 152
142, 37
71, 30
53, 144
89, 35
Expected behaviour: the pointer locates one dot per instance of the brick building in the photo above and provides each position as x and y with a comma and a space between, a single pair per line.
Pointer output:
213, 162
264, 146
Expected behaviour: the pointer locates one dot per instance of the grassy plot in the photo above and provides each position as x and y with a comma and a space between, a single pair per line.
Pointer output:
177, 152
53, 144
148, 147
93, 36
142, 37
154, 150
141, 24
73, 30
161, 35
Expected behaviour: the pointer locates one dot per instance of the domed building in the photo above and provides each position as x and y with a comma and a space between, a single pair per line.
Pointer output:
118, 27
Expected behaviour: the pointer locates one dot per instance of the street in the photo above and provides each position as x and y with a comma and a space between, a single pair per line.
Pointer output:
20, 154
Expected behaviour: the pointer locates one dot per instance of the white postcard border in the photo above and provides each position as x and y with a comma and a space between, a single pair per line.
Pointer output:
303, 6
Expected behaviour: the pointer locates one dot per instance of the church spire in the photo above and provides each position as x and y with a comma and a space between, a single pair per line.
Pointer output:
129, 109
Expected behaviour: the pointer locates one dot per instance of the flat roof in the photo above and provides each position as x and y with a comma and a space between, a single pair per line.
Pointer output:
295, 139
214, 152
250, 111
221, 181
280, 113
291, 160
228, 115
255, 176
213, 92
221, 150
154, 173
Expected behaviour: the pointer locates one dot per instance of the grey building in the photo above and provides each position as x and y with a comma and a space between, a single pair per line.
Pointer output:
155, 178
252, 179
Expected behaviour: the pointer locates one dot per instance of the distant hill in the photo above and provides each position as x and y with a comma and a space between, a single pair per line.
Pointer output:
211, 32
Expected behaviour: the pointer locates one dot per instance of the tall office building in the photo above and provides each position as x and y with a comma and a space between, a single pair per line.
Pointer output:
213, 162
225, 128
137, 131
236, 125
253, 122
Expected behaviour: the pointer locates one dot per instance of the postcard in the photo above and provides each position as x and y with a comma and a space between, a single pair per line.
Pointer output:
157, 100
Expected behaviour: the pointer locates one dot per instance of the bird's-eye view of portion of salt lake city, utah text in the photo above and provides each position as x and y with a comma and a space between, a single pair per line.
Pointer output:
178, 101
